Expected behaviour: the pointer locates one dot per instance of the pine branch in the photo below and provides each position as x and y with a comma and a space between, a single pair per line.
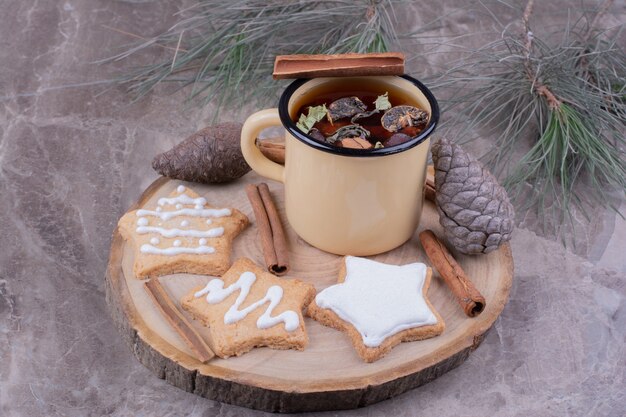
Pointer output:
224, 51
571, 93
541, 89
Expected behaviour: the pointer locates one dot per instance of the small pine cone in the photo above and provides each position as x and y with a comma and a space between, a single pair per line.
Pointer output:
211, 155
474, 209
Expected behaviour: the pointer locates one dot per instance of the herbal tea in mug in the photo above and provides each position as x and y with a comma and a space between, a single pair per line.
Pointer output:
356, 150
356, 116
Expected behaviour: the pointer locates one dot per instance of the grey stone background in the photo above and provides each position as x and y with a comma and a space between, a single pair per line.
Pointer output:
72, 160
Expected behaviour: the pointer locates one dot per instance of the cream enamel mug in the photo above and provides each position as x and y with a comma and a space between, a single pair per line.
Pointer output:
346, 201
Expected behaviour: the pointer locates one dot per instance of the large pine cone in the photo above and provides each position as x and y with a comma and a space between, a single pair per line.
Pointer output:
474, 209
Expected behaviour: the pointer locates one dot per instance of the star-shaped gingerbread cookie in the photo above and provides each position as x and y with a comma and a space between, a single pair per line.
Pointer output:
378, 306
249, 307
182, 234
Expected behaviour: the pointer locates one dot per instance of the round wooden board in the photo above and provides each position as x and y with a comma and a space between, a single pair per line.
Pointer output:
328, 375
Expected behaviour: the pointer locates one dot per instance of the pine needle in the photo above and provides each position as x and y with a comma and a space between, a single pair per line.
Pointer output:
567, 91
224, 51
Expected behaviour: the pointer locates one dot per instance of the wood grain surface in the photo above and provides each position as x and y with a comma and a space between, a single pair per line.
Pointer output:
328, 375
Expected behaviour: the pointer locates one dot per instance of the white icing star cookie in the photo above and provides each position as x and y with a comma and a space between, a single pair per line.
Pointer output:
378, 305
249, 307
181, 234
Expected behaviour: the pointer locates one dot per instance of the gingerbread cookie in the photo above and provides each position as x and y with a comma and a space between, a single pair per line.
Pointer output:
378, 306
250, 308
182, 234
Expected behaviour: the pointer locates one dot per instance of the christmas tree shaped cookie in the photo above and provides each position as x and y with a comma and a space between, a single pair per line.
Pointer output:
378, 306
249, 307
182, 234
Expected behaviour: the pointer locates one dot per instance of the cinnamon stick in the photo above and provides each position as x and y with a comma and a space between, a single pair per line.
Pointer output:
469, 298
273, 149
178, 321
429, 190
429, 187
273, 241
338, 65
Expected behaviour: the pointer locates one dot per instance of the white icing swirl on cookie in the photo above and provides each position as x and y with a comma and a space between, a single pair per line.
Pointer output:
216, 293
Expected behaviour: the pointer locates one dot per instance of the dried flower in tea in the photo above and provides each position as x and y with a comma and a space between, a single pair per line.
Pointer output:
350, 131
399, 117
345, 107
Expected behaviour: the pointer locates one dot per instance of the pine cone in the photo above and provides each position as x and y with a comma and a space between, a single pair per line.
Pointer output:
474, 209
211, 155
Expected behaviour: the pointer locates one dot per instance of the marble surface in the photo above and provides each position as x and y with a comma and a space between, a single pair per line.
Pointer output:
72, 159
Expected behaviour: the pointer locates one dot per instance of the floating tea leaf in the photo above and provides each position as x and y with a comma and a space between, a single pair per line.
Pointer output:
381, 103
350, 131
345, 107
400, 117
315, 114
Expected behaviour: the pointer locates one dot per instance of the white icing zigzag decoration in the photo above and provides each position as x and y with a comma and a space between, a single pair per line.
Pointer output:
216, 293
143, 225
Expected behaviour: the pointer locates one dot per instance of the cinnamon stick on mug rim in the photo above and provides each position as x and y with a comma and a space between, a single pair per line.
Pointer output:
338, 65
176, 319
273, 241
468, 296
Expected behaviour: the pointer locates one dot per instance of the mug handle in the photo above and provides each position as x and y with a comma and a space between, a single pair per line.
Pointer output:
251, 153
